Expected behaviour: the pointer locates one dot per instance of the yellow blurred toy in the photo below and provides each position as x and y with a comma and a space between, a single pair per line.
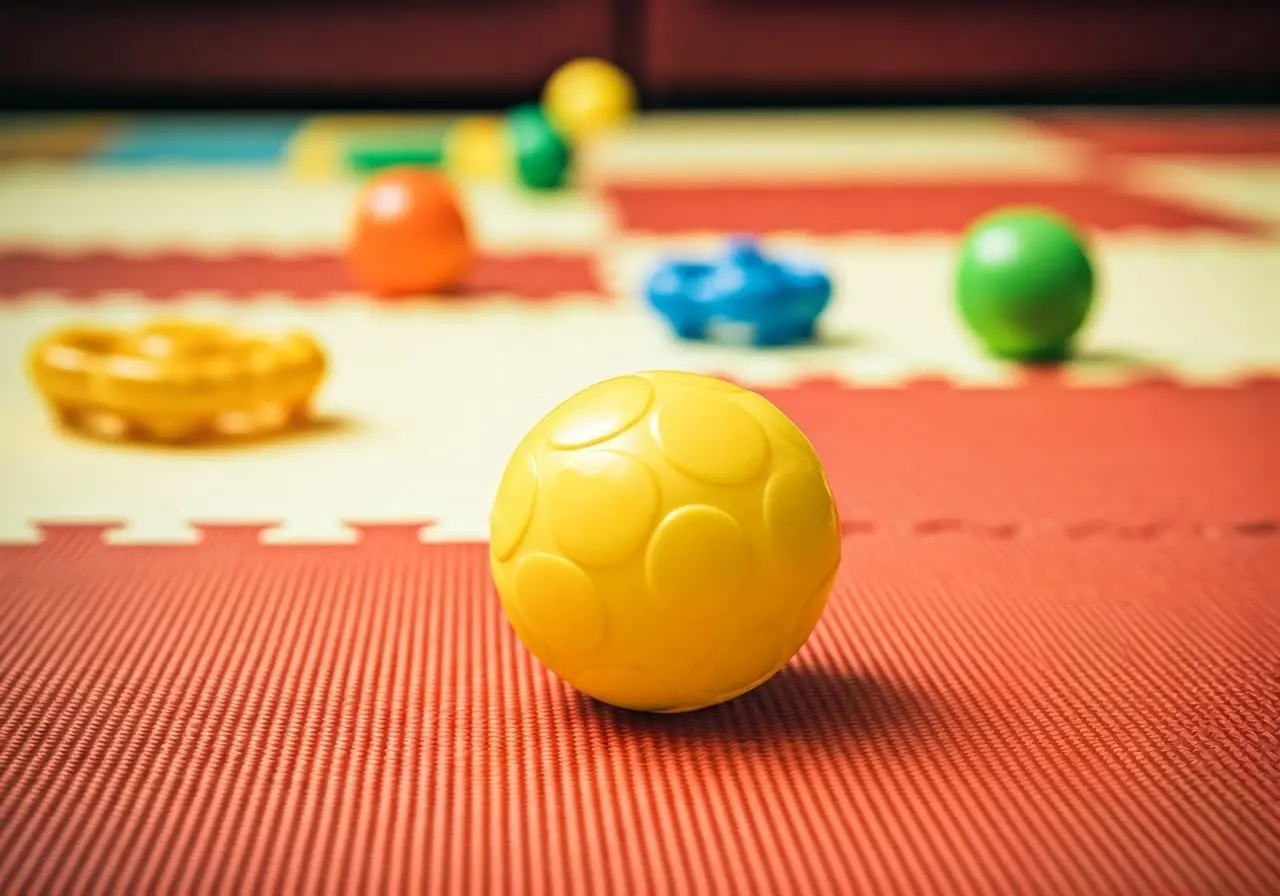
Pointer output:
664, 541
175, 381
588, 97
477, 147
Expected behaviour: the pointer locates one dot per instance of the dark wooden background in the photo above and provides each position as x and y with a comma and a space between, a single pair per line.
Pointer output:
474, 51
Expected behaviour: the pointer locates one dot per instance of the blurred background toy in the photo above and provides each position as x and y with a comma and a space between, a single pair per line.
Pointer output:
409, 235
532, 144
542, 155
1025, 283
587, 97
176, 381
776, 301
478, 147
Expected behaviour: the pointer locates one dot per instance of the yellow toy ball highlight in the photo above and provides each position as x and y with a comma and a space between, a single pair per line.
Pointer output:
587, 97
664, 541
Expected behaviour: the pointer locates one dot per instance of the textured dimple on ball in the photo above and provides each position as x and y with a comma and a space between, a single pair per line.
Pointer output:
800, 518
628, 688
513, 507
511, 606
710, 437
599, 412
559, 603
692, 380
698, 561
601, 507
774, 420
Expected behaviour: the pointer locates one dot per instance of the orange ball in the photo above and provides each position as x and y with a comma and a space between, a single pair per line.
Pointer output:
409, 235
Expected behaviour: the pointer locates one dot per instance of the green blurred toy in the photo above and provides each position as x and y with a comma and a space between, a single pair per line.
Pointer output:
1025, 284
542, 156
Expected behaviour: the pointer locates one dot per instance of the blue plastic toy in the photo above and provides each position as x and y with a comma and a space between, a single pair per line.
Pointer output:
775, 302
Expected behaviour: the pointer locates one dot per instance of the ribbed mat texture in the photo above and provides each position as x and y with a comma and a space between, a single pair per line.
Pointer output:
1055, 700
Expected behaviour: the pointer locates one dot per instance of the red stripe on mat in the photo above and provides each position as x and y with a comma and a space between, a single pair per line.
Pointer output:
982, 710
1223, 136
896, 208
165, 275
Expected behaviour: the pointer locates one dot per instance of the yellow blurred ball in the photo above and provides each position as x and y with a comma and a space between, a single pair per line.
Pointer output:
664, 541
477, 147
587, 97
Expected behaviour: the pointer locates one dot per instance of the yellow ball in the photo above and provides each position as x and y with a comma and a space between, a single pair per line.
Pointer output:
664, 541
477, 147
588, 96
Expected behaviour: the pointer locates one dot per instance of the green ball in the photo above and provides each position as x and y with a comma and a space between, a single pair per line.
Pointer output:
542, 156
1024, 283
